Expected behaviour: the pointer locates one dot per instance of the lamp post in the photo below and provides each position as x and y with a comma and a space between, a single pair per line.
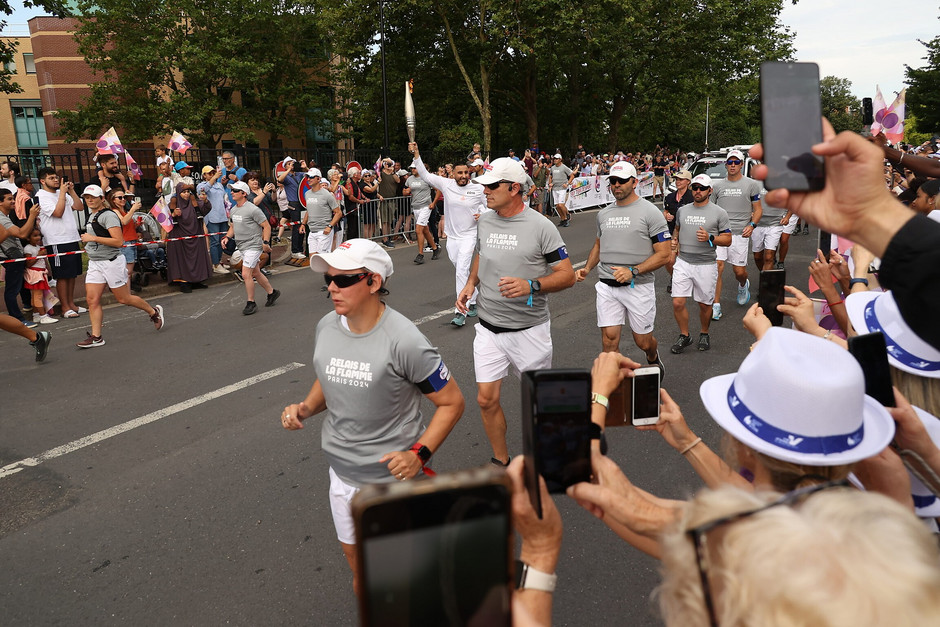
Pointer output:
385, 150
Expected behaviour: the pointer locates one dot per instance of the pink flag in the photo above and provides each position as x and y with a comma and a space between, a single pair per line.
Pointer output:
136, 172
878, 110
893, 121
486, 164
178, 143
161, 214
109, 144
378, 165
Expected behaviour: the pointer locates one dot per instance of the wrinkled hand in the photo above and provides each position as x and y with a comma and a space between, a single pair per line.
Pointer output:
800, 310
756, 323
293, 415
910, 432
541, 537
609, 370
838, 267
402, 464
819, 270
672, 425
862, 259
885, 473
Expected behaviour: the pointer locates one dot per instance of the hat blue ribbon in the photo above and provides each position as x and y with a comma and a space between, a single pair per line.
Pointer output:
923, 501
809, 444
906, 358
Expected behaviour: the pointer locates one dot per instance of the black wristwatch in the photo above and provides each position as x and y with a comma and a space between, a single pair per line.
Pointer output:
423, 452
266, 242
536, 286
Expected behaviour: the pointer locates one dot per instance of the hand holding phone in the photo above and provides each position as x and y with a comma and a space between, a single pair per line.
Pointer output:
871, 352
770, 294
645, 396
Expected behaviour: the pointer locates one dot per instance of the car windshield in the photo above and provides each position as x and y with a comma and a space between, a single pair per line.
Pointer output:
713, 168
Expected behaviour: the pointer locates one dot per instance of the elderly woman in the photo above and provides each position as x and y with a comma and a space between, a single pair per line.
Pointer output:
373, 367
188, 261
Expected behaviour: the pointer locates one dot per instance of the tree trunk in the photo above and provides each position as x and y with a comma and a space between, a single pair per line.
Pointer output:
486, 113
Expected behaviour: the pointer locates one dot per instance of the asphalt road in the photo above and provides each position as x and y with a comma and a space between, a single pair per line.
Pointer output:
149, 482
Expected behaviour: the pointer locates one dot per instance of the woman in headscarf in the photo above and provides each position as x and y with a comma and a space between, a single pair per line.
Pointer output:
188, 261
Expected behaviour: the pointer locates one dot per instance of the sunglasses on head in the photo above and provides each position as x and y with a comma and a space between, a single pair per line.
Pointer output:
734, 162
496, 184
345, 280
695, 187
613, 180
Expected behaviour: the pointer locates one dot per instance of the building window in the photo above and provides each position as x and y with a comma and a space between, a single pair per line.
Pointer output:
10, 66
29, 64
29, 125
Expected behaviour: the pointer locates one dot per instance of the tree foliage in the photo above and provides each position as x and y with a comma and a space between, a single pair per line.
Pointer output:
8, 47
839, 105
203, 67
923, 93
606, 73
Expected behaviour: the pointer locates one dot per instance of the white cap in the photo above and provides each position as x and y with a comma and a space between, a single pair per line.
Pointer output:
241, 186
557, 156
735, 153
93, 190
354, 254
702, 179
503, 169
477, 162
623, 170
314, 172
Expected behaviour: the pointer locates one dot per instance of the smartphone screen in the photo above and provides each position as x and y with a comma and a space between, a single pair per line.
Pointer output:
438, 558
871, 352
645, 396
825, 243
791, 123
770, 294
557, 429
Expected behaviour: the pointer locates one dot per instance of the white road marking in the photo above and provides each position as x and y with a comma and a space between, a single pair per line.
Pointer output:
215, 302
94, 438
449, 312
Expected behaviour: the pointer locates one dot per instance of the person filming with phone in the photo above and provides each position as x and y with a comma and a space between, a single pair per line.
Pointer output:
373, 366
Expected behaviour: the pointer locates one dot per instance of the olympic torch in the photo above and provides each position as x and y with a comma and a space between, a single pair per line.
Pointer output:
409, 112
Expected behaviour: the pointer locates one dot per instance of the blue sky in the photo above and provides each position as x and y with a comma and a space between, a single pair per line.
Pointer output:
865, 41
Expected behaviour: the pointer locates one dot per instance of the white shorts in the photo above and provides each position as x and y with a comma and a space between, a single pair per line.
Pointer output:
736, 253
493, 353
113, 272
559, 196
422, 216
790, 226
341, 494
320, 242
251, 257
766, 237
697, 281
614, 304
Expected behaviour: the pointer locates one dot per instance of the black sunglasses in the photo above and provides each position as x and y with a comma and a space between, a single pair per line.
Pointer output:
613, 180
496, 184
734, 162
345, 280
695, 187
699, 539
117, 197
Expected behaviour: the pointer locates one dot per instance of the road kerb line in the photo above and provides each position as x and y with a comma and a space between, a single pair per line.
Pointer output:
110, 432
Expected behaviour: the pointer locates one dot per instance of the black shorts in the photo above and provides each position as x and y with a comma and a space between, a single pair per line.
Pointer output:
66, 266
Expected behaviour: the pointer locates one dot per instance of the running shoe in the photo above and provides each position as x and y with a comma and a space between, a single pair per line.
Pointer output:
157, 317
250, 308
91, 341
436, 254
703, 342
41, 344
272, 298
716, 311
419, 259
388, 243
659, 364
681, 343
459, 320
744, 292
472, 310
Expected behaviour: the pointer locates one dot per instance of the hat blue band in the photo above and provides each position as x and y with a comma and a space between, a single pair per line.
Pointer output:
809, 444
923, 501
906, 358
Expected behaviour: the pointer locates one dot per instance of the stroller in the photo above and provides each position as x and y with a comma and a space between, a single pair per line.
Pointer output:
151, 251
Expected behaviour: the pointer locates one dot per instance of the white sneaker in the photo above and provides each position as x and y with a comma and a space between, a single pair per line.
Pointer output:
36, 317
428, 249
219, 269
744, 292
46, 319
81, 310
298, 256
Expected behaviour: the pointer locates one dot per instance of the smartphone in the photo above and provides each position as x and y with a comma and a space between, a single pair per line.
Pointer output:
65, 179
129, 199
871, 352
770, 294
645, 396
825, 243
791, 123
435, 551
556, 429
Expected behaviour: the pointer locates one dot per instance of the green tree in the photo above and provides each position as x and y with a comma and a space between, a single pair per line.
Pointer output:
162, 68
923, 93
839, 105
8, 47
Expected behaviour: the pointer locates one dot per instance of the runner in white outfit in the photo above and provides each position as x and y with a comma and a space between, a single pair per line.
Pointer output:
463, 204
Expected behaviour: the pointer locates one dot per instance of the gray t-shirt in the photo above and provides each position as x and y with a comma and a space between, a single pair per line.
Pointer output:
712, 218
524, 246
559, 174
373, 384
107, 219
736, 198
11, 247
627, 235
246, 222
420, 193
770, 216
320, 206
